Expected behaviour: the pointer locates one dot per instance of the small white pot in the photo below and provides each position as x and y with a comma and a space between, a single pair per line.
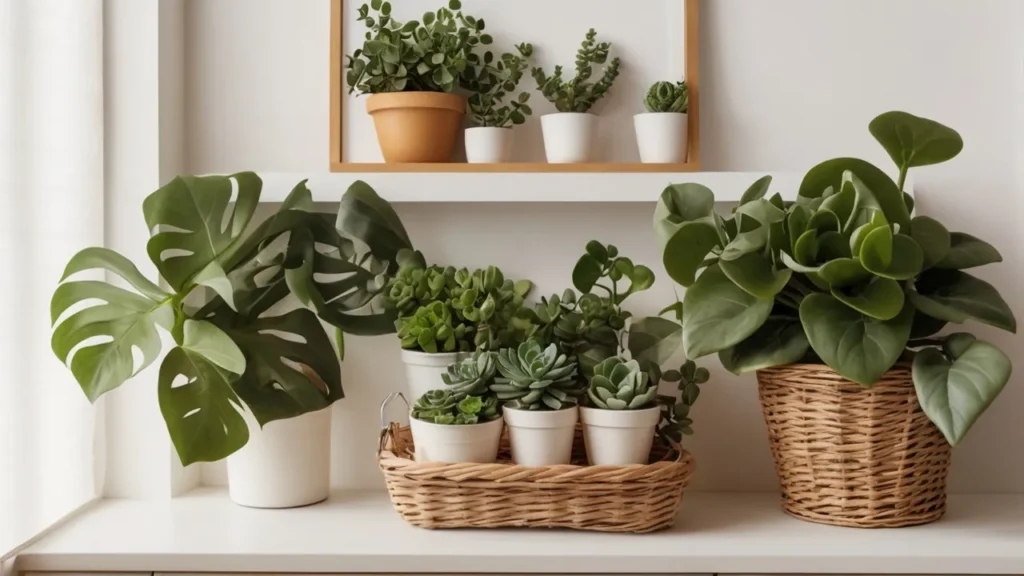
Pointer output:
284, 465
485, 144
619, 437
440, 443
541, 437
568, 137
423, 371
661, 137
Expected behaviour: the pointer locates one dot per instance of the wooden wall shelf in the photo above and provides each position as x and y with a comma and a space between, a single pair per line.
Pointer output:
515, 168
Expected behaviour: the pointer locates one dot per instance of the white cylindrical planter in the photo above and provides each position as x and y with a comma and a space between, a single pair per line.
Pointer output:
486, 144
619, 437
541, 437
661, 137
284, 465
568, 137
423, 371
456, 443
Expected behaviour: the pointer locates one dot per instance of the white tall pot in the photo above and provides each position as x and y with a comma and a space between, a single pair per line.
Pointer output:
485, 144
423, 371
619, 437
661, 137
284, 465
568, 137
455, 444
541, 437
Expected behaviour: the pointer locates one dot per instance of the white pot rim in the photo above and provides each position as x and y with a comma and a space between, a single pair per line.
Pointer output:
489, 128
440, 359
542, 419
661, 114
569, 114
620, 418
498, 422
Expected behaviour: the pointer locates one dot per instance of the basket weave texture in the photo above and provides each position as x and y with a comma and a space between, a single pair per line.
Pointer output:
640, 498
853, 456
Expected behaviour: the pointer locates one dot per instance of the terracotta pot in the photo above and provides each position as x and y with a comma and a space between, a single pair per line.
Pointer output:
416, 126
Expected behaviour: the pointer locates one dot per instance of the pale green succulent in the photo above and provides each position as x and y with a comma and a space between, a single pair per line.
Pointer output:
441, 407
536, 378
472, 376
621, 385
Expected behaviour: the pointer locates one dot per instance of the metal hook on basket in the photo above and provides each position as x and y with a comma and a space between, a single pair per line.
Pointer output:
384, 423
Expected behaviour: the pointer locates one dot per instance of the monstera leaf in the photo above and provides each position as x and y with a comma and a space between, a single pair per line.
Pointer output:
368, 218
125, 320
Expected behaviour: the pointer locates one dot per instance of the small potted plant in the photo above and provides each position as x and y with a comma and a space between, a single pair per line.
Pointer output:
491, 81
837, 301
411, 70
569, 134
661, 132
619, 425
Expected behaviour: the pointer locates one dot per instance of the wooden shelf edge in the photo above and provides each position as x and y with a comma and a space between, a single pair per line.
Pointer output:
515, 168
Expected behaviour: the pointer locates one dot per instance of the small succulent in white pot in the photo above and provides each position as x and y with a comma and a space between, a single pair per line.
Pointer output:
620, 423
448, 429
493, 107
661, 132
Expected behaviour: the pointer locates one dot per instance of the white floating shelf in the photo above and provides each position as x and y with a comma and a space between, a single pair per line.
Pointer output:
360, 533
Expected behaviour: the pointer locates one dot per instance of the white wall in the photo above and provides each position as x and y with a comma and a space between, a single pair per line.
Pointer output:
786, 83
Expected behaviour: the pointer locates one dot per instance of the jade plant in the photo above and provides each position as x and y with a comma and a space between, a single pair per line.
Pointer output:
223, 276
443, 407
619, 384
491, 83
536, 378
668, 97
845, 275
430, 55
472, 376
579, 94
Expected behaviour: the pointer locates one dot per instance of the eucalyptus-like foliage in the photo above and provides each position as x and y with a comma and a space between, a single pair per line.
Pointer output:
491, 81
846, 275
579, 94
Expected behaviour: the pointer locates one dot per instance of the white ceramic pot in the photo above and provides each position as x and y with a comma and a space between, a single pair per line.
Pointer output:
486, 144
568, 137
661, 137
284, 465
541, 437
619, 437
455, 444
423, 371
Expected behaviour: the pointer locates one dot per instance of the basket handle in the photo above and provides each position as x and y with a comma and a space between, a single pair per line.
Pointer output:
385, 425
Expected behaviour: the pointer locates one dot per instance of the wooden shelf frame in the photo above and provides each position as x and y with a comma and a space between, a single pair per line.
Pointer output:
337, 163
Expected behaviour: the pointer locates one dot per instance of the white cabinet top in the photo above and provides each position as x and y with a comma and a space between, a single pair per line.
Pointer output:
359, 533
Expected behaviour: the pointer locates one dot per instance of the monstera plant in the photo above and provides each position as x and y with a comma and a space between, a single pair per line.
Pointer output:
845, 275
224, 281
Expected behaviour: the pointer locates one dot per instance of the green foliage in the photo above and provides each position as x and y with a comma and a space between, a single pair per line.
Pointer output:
844, 275
432, 55
668, 97
536, 378
618, 384
443, 407
579, 94
675, 414
224, 276
430, 329
491, 81
472, 376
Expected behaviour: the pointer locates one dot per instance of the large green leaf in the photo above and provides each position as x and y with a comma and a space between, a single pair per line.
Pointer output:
687, 248
859, 347
966, 251
746, 242
207, 340
188, 216
761, 210
955, 390
914, 141
756, 275
102, 336
933, 238
778, 341
882, 298
841, 204
955, 296
364, 216
843, 272
681, 203
718, 314
905, 259
653, 340
757, 190
830, 174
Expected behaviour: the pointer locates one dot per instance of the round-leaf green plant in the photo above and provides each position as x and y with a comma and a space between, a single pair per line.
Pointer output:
491, 83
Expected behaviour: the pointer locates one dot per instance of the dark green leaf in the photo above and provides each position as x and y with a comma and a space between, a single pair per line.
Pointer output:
681, 203
933, 238
777, 342
687, 248
882, 298
586, 273
843, 272
718, 314
755, 274
830, 174
966, 251
653, 340
913, 141
955, 296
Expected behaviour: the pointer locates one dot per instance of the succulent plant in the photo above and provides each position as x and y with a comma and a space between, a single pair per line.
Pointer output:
442, 407
471, 376
668, 97
488, 301
430, 329
675, 415
490, 80
618, 384
536, 378
578, 94
416, 285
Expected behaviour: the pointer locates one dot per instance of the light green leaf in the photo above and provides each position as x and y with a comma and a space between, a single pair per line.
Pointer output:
824, 220
933, 238
966, 251
755, 274
761, 210
805, 251
914, 141
843, 272
882, 298
105, 259
214, 277
692, 242
757, 190
842, 203
653, 340
718, 314
777, 342
955, 296
831, 174
795, 266
209, 341
907, 260
746, 242
876, 250
680, 203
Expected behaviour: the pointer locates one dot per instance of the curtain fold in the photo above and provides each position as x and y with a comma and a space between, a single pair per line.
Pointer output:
51, 205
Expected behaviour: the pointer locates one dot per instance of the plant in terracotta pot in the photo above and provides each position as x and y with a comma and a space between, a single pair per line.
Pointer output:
837, 301
493, 107
569, 134
234, 359
450, 428
411, 70
661, 132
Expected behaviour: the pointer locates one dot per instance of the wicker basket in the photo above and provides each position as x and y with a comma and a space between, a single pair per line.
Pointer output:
601, 498
853, 456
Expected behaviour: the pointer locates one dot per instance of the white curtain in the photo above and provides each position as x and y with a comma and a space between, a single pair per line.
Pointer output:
51, 205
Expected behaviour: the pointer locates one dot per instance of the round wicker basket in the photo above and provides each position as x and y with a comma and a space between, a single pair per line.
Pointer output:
853, 456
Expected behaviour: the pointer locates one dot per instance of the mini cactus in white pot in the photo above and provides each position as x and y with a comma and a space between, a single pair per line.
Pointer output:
661, 132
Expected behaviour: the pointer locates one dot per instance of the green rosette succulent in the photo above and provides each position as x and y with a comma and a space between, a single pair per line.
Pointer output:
430, 329
621, 385
668, 97
536, 378
472, 376
442, 407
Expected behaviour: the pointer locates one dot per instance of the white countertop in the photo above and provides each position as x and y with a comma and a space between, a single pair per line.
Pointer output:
358, 532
